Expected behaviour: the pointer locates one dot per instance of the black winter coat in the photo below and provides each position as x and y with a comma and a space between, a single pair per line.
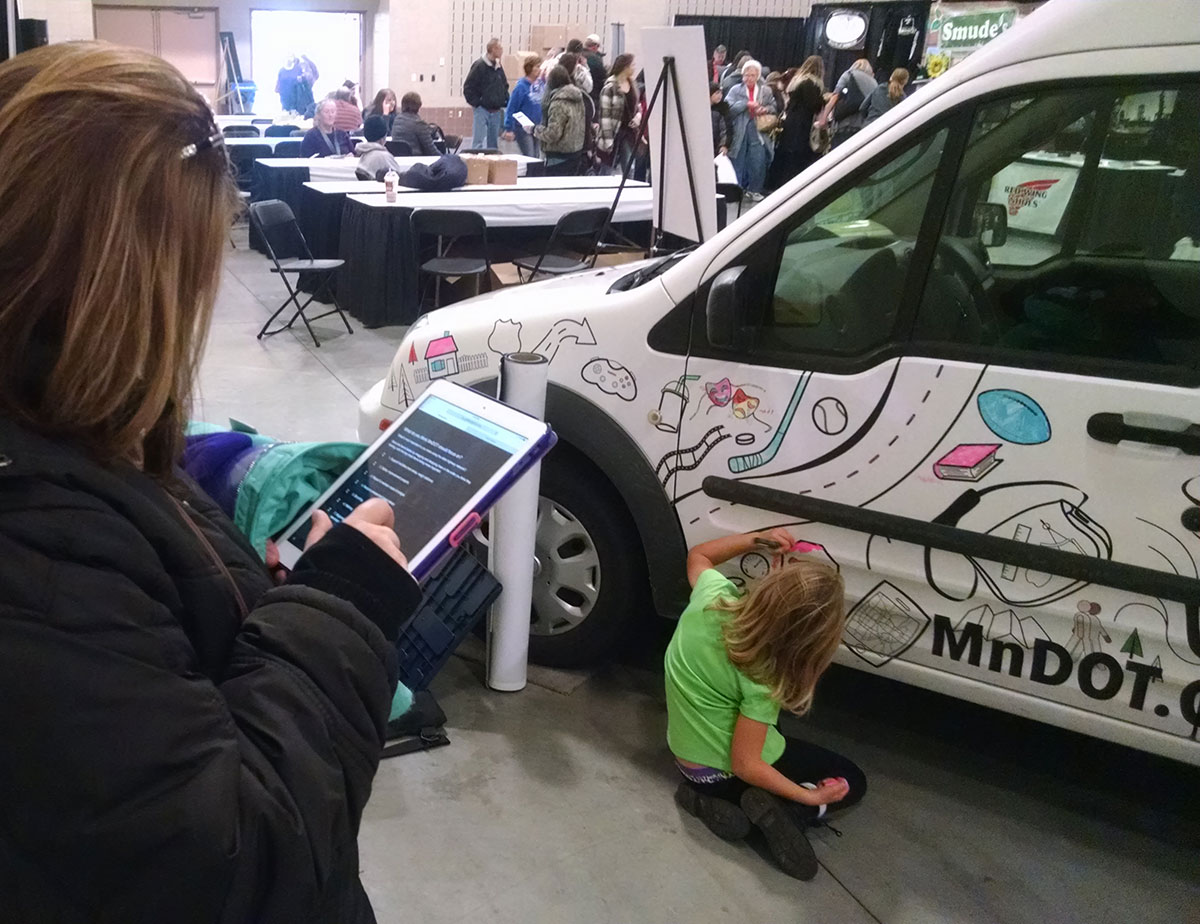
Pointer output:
182, 740
486, 86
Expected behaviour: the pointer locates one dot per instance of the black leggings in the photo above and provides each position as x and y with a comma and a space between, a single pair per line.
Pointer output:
801, 762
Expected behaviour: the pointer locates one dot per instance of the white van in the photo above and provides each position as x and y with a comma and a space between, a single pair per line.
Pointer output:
961, 354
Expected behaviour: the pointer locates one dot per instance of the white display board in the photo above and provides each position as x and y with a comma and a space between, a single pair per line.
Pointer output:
670, 180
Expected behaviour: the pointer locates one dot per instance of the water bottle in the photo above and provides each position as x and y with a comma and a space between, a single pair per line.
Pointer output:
390, 179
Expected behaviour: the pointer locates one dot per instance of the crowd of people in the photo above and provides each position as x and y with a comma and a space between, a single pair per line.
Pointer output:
584, 116
773, 125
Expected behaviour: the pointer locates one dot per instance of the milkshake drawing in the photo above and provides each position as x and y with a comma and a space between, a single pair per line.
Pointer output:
671, 403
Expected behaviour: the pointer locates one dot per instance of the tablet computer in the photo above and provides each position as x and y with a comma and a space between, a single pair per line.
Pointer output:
441, 466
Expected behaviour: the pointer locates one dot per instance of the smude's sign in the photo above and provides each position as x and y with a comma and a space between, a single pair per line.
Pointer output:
970, 30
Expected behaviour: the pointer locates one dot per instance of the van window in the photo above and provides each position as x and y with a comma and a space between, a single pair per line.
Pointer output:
842, 271
1073, 229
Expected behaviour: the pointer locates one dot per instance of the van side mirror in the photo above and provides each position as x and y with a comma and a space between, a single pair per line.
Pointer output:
726, 311
989, 223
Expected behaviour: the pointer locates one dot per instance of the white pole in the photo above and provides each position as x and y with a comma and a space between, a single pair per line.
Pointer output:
512, 533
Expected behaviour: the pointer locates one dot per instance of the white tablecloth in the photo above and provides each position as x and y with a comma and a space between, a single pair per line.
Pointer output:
523, 207
243, 142
342, 168
347, 187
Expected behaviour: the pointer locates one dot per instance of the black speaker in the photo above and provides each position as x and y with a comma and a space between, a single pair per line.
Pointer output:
31, 33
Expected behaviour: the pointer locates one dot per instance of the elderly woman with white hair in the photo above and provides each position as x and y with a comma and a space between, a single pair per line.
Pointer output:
324, 139
750, 150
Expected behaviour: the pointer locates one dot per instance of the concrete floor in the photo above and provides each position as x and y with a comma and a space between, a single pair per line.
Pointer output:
552, 808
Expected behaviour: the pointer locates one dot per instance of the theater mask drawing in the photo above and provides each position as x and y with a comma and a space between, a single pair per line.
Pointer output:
923, 330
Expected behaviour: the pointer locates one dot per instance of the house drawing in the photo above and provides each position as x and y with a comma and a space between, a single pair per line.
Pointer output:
441, 357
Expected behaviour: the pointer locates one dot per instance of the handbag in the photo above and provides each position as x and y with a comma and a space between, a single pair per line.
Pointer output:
767, 123
818, 137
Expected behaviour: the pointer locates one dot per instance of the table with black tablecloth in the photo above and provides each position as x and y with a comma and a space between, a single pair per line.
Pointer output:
379, 282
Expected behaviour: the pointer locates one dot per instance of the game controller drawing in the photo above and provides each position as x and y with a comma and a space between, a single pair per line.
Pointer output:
610, 377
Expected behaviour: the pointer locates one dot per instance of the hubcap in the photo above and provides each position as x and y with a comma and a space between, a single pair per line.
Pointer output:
566, 570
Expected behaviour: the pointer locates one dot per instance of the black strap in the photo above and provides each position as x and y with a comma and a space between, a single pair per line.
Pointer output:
429, 738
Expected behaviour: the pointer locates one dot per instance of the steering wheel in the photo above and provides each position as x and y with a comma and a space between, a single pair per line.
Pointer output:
965, 265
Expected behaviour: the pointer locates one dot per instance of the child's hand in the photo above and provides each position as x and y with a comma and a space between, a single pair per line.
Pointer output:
828, 790
779, 538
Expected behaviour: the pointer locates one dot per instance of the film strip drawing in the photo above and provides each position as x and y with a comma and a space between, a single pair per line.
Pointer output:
685, 460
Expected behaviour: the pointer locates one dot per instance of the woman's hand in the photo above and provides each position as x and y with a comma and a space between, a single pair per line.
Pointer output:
373, 518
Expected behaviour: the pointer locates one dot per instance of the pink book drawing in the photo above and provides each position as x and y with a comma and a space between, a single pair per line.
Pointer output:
967, 462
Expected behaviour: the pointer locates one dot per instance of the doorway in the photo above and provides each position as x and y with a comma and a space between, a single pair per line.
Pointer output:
332, 41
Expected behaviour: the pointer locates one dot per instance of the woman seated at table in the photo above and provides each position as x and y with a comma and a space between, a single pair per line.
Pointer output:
565, 130
347, 116
323, 140
383, 105
410, 128
373, 155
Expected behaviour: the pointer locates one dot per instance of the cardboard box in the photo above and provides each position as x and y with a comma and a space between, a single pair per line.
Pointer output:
502, 171
503, 275
514, 64
477, 170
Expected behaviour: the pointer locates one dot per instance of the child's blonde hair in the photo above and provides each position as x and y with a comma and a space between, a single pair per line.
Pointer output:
785, 631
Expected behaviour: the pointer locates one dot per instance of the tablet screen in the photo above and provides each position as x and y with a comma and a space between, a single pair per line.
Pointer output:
428, 469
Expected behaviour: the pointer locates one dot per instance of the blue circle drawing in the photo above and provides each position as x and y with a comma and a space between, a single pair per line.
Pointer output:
1014, 416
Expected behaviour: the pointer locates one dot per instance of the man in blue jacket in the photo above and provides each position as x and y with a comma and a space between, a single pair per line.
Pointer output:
486, 92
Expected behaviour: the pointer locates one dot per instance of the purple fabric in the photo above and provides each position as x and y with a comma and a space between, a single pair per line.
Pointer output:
703, 775
212, 460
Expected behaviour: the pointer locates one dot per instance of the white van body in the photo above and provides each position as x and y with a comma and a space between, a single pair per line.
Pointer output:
879, 361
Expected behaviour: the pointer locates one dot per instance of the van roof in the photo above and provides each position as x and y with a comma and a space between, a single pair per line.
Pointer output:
1065, 27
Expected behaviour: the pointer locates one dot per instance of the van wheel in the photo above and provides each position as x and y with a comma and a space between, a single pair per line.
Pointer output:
589, 575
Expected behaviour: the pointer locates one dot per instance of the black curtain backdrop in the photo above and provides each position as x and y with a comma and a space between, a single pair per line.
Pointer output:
776, 41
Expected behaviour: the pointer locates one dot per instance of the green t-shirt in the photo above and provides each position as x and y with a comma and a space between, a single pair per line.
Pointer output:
705, 692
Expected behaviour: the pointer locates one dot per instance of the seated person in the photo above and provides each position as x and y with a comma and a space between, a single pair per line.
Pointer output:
347, 116
323, 140
410, 128
374, 155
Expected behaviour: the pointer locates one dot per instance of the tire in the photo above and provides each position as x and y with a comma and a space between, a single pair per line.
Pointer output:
588, 589
574, 490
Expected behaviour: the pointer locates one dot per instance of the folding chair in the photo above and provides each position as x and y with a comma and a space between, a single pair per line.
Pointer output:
479, 151
733, 195
241, 131
362, 173
398, 148
263, 121
289, 252
457, 225
242, 158
279, 131
287, 149
578, 232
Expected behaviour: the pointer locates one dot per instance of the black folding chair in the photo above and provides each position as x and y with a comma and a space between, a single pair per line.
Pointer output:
479, 151
262, 121
578, 233
362, 173
451, 227
289, 252
398, 148
733, 196
279, 131
241, 131
242, 158
287, 149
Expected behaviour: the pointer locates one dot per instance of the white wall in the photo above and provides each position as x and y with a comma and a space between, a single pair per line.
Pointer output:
66, 20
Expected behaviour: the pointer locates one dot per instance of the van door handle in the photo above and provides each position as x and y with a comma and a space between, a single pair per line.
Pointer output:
1112, 428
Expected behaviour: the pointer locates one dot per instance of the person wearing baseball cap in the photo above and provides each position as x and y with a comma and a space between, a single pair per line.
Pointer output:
595, 63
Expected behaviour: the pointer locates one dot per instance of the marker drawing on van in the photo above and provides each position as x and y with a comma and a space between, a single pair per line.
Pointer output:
936, 326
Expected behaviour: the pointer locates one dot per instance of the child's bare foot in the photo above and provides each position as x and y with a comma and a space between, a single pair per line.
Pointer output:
724, 819
785, 837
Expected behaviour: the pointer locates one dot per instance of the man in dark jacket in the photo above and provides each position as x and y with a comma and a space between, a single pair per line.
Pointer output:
595, 63
410, 128
486, 92
184, 739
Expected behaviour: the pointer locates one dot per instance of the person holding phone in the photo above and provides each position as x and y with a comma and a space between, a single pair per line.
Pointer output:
187, 736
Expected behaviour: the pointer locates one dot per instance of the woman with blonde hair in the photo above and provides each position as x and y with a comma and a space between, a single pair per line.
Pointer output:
187, 737
845, 102
885, 96
734, 661
805, 100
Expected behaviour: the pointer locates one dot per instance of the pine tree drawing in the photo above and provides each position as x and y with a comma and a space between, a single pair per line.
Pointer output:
1133, 645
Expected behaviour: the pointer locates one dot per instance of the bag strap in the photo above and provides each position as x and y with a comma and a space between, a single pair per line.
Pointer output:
429, 738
